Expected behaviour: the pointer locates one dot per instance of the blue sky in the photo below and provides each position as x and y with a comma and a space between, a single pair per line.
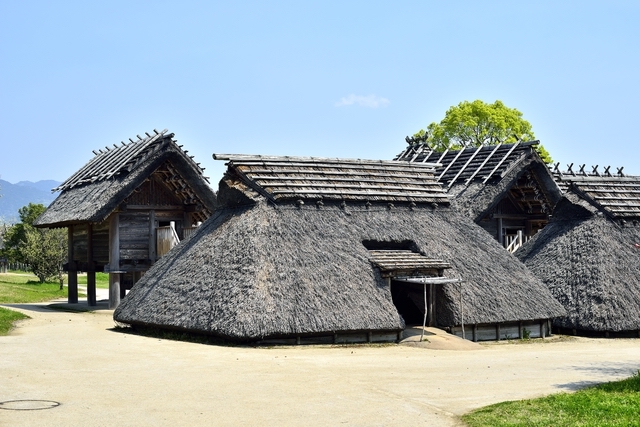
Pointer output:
332, 79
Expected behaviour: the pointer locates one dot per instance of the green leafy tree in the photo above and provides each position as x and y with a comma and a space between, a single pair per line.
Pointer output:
472, 124
16, 234
44, 251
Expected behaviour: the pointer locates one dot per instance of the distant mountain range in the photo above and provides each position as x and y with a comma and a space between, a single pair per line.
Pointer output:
15, 196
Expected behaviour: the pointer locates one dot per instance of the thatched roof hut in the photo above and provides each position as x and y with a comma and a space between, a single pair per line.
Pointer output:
98, 188
309, 247
126, 207
506, 188
589, 253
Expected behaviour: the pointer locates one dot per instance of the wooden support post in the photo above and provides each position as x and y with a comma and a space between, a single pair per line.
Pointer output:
114, 261
461, 313
91, 269
475, 332
426, 310
152, 236
520, 331
542, 330
72, 281
498, 331
500, 233
432, 305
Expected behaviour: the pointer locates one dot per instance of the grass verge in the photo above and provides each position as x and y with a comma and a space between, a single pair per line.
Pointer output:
8, 318
102, 280
25, 288
611, 404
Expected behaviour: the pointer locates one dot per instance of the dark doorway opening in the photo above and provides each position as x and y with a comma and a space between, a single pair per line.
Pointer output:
409, 301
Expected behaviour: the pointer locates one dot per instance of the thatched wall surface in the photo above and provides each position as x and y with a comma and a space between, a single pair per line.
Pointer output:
591, 265
258, 271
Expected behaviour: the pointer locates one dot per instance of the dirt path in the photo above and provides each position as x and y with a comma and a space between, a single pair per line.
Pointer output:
103, 378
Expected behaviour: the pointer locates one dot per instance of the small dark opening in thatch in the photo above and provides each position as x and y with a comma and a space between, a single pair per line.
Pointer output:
409, 301
377, 245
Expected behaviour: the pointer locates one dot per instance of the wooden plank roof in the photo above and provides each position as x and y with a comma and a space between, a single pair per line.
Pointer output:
469, 164
405, 262
282, 178
618, 196
120, 159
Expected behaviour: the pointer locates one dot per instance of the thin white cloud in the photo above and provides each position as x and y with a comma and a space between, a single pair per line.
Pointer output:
369, 101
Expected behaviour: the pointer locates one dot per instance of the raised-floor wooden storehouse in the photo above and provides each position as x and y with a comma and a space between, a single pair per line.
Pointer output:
506, 188
589, 254
127, 207
333, 250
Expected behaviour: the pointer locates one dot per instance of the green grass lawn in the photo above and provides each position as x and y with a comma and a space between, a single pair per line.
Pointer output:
25, 288
608, 405
8, 318
102, 280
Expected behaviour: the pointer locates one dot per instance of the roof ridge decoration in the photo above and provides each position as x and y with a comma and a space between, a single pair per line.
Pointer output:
570, 173
120, 159
281, 178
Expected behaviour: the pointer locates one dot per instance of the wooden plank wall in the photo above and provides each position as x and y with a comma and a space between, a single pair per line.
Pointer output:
503, 331
134, 236
100, 243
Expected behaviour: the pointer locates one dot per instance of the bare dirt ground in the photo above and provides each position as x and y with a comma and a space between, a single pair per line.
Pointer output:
102, 378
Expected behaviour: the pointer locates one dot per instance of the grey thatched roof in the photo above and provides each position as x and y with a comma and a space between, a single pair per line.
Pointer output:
477, 178
616, 195
284, 178
591, 264
96, 189
258, 269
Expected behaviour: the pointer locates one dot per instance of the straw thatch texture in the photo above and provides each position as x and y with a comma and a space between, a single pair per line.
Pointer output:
98, 188
591, 264
260, 271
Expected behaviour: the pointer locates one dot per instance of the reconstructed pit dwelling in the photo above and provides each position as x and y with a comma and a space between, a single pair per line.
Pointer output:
335, 250
583, 226
589, 253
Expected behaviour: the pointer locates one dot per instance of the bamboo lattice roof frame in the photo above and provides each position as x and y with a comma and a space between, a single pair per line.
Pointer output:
468, 164
119, 159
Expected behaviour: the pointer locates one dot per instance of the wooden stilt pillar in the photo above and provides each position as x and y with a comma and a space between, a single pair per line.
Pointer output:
152, 237
72, 273
432, 305
91, 269
114, 261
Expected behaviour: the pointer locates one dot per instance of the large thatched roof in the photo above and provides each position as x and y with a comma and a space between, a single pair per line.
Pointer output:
96, 189
266, 267
477, 178
588, 255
